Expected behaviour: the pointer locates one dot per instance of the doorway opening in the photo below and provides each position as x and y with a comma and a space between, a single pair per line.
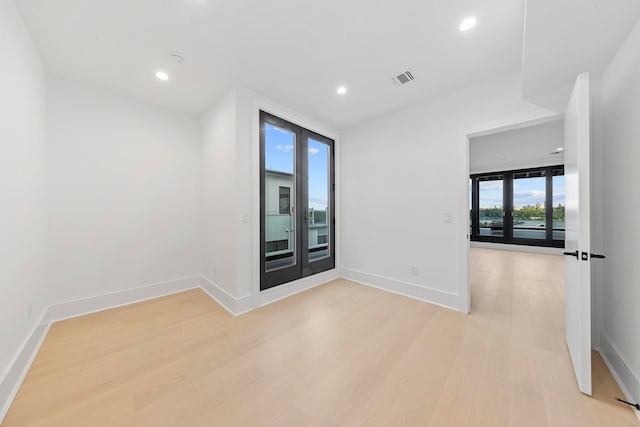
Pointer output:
498, 154
516, 186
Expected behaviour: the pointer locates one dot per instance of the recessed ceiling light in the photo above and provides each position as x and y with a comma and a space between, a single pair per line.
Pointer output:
468, 23
161, 75
560, 149
341, 90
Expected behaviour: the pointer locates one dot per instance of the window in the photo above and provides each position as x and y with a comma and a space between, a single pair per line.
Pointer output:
491, 205
558, 204
285, 200
529, 200
297, 202
519, 207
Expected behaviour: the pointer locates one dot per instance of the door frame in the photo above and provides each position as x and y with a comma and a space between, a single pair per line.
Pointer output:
303, 267
251, 103
511, 123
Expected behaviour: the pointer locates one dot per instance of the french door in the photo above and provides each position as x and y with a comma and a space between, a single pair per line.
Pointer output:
297, 202
525, 207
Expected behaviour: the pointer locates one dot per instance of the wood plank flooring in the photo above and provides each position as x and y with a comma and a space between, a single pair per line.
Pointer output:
340, 354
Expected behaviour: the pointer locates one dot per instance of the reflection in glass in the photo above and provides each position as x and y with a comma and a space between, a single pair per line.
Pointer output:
491, 206
318, 203
529, 213
280, 236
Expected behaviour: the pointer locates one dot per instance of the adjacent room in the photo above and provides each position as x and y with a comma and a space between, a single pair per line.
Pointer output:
270, 213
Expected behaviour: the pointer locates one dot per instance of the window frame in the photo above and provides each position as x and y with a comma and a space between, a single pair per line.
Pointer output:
508, 208
288, 197
304, 265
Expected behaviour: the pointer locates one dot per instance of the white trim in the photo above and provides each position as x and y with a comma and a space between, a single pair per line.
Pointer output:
21, 364
23, 360
235, 306
218, 294
509, 123
286, 290
624, 376
97, 303
410, 290
518, 248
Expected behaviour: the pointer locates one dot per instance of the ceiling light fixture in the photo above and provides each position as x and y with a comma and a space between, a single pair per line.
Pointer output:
560, 149
161, 75
341, 90
468, 23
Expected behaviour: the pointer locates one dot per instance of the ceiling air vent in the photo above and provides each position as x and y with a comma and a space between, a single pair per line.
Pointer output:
403, 78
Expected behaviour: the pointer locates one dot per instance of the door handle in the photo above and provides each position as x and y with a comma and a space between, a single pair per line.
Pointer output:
598, 256
575, 254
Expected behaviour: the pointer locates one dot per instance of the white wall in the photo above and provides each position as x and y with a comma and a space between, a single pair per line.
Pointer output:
250, 104
231, 223
403, 173
124, 192
22, 184
218, 133
620, 339
517, 148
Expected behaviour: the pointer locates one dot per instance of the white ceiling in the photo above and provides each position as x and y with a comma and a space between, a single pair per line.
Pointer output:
518, 148
292, 51
564, 38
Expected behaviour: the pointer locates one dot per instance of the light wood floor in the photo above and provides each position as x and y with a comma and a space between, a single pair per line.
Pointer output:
340, 354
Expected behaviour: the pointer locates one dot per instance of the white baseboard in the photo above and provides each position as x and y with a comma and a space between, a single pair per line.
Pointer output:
20, 366
620, 370
271, 295
21, 363
94, 304
517, 248
235, 306
411, 290
26, 355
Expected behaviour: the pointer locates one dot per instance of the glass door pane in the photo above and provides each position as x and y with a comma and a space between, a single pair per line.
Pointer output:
280, 197
318, 209
529, 213
491, 206
558, 204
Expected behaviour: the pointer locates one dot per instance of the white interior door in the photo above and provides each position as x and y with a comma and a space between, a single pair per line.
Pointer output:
577, 149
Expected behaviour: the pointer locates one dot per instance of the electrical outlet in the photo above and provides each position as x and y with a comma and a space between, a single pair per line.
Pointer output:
29, 309
415, 271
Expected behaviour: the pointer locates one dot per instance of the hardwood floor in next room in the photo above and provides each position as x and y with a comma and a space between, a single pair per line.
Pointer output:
339, 354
